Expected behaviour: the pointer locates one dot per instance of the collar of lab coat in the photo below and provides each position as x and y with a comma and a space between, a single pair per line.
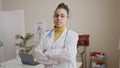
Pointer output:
53, 44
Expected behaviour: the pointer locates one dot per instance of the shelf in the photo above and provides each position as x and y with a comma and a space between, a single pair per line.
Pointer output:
98, 60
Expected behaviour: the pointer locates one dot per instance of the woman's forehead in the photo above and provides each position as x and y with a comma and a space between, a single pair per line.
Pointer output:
61, 11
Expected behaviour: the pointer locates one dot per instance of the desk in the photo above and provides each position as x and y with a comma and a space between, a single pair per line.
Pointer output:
16, 63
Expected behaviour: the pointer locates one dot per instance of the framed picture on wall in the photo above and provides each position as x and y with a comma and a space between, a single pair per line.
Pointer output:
39, 28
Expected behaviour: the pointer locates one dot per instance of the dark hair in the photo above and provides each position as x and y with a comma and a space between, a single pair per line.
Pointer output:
63, 6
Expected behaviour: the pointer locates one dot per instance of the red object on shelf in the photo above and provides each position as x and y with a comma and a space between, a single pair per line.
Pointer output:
100, 63
95, 53
83, 40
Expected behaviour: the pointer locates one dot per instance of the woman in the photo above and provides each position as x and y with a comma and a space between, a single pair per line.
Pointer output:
57, 48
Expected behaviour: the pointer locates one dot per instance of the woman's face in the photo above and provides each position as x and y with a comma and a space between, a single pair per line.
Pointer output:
60, 18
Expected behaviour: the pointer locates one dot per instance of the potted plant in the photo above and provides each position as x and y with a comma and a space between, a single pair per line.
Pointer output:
24, 49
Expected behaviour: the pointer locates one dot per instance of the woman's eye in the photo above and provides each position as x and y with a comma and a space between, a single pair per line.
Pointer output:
62, 16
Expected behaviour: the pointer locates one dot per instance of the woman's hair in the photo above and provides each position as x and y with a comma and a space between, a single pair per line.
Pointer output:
63, 6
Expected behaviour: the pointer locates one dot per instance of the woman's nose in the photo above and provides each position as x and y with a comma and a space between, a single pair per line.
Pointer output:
59, 17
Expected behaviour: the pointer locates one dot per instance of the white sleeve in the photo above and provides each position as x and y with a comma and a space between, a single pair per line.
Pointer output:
66, 54
40, 56
72, 45
60, 55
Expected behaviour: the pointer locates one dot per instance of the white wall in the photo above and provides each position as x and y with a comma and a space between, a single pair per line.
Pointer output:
1, 49
0, 4
99, 18
1, 39
8, 32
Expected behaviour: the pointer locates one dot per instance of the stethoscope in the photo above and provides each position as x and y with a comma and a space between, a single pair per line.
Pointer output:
50, 35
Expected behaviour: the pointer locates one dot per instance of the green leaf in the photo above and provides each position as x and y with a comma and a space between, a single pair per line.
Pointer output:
28, 36
22, 43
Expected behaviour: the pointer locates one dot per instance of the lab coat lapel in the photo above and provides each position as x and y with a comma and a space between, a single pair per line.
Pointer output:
50, 41
60, 41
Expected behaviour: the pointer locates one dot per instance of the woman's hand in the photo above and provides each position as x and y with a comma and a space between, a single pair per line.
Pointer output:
44, 51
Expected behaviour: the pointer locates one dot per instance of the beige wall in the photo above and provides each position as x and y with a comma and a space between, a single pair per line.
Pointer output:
0, 4
119, 25
99, 18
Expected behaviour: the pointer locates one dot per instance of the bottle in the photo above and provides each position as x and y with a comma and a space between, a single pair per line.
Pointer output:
103, 56
103, 66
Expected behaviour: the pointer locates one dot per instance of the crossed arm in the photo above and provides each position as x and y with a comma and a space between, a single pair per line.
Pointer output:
56, 56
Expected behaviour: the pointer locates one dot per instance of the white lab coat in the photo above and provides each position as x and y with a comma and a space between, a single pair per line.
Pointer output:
57, 51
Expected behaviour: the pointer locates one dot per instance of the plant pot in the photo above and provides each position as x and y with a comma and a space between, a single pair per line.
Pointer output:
27, 59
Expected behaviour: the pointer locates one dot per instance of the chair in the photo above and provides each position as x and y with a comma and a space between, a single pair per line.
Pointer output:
83, 42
